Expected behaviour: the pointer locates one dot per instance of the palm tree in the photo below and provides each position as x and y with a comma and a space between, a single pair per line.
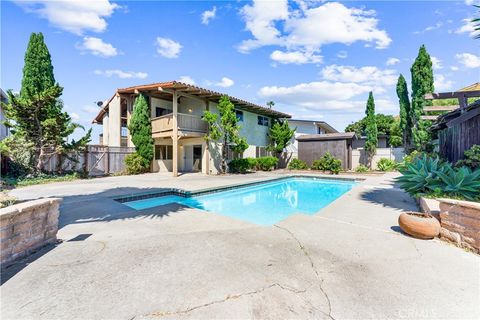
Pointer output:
270, 104
476, 25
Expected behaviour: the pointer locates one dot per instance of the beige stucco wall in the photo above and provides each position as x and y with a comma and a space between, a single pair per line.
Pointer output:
114, 122
106, 132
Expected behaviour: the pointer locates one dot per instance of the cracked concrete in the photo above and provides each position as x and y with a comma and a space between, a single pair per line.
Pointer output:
172, 262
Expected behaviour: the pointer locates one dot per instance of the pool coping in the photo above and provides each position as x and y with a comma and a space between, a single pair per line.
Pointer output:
188, 194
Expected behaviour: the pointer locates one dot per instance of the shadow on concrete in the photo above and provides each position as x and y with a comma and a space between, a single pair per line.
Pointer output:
12, 269
390, 197
102, 207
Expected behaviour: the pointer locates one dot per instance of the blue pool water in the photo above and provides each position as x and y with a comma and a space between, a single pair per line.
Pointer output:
263, 204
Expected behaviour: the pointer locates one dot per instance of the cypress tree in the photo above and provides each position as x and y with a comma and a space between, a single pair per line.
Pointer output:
371, 129
141, 129
404, 102
422, 83
38, 69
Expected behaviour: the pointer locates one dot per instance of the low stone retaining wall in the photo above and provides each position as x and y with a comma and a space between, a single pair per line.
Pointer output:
460, 221
27, 226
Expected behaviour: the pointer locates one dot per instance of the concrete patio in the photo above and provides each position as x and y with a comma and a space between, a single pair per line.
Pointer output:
348, 261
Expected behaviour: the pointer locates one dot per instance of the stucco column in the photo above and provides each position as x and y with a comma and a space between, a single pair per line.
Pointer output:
175, 135
130, 101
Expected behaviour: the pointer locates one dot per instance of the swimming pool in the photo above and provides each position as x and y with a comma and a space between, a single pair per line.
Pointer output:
264, 203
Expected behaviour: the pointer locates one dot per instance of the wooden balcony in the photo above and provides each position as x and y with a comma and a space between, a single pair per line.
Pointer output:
188, 125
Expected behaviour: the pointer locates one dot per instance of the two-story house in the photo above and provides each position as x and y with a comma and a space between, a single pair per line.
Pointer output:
177, 127
304, 127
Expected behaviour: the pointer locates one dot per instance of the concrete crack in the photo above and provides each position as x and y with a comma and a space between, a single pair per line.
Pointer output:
227, 298
312, 264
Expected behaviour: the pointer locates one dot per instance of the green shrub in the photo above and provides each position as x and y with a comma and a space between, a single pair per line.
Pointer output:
327, 163
240, 165
136, 164
297, 164
472, 158
361, 169
385, 164
417, 177
266, 163
459, 182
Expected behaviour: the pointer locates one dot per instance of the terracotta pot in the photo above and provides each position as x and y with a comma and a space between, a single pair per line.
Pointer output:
419, 225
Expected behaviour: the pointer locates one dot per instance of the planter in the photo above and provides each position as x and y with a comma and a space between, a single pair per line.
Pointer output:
419, 225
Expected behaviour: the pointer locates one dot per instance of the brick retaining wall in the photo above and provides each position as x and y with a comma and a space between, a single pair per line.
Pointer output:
460, 221
27, 226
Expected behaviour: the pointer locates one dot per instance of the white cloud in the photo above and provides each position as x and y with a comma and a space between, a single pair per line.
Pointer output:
168, 48
437, 25
225, 82
392, 61
296, 57
97, 47
468, 60
91, 109
74, 116
73, 16
454, 68
469, 2
209, 15
342, 54
441, 83
369, 75
324, 96
187, 80
436, 63
121, 74
308, 28
467, 27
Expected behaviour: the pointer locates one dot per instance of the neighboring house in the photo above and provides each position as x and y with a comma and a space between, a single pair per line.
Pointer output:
3, 129
304, 127
177, 127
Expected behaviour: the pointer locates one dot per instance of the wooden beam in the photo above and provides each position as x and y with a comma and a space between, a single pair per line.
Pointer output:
440, 108
451, 95
428, 117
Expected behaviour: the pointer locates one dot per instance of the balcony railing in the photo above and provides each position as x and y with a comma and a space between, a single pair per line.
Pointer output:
186, 122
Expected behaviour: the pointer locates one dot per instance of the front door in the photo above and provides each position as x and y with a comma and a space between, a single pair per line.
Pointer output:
197, 158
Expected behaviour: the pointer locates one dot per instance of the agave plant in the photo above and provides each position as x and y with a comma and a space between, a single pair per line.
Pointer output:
462, 182
420, 176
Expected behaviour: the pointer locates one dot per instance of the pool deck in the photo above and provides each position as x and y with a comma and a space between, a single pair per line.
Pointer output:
170, 262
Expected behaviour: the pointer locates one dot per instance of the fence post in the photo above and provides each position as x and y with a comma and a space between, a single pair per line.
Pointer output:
85, 162
108, 161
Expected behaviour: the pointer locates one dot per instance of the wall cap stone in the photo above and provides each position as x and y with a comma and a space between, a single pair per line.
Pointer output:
467, 204
10, 211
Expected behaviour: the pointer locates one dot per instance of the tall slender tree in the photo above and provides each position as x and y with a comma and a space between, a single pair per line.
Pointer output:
371, 129
422, 83
404, 102
36, 114
225, 131
141, 130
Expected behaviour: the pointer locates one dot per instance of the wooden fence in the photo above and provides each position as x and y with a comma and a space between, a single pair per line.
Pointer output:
453, 141
96, 160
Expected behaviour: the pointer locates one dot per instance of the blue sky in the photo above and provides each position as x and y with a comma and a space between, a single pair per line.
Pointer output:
316, 60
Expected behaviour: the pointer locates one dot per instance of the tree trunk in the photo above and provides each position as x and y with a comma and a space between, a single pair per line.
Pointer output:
224, 155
